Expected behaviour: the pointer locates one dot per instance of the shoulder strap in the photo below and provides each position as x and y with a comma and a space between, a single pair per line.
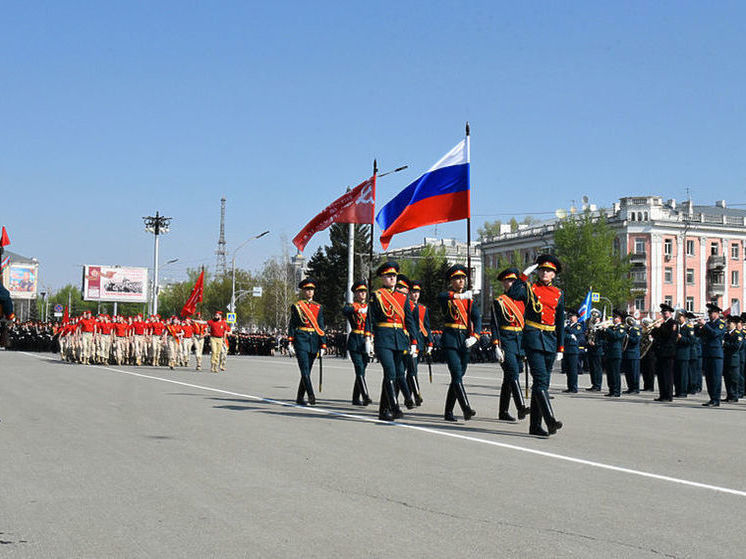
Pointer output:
305, 308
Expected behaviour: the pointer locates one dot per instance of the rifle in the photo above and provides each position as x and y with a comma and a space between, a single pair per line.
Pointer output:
321, 371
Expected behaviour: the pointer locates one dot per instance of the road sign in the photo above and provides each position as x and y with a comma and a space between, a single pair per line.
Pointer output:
256, 292
595, 297
58, 308
230, 318
58, 315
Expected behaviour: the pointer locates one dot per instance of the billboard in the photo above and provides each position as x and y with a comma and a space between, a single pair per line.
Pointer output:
119, 284
22, 280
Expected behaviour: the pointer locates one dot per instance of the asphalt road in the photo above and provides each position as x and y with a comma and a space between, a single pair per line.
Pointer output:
142, 462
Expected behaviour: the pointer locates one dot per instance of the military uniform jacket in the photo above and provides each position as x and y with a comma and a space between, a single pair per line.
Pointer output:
712, 333
545, 318
742, 351
303, 333
391, 320
665, 338
462, 319
632, 351
732, 342
357, 316
574, 338
424, 334
614, 336
684, 343
507, 319
6, 303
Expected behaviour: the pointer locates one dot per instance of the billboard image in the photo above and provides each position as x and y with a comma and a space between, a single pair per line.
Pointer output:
115, 284
22, 280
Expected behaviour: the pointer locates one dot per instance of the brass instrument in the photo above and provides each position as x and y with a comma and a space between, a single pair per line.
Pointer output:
631, 322
646, 341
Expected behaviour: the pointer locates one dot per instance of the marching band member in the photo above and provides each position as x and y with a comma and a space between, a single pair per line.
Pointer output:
506, 323
574, 339
712, 333
631, 356
684, 341
732, 342
357, 315
462, 321
614, 336
665, 350
543, 340
307, 338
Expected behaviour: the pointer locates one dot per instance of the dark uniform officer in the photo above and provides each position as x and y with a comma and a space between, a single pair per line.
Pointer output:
695, 361
631, 358
462, 321
742, 373
614, 336
595, 347
393, 325
506, 323
665, 347
357, 315
6, 314
712, 333
684, 342
424, 337
306, 334
543, 340
732, 342
574, 339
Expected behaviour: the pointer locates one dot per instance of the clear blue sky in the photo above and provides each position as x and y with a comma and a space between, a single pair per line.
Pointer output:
113, 110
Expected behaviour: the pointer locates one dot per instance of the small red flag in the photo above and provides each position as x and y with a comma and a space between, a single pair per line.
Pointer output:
196, 297
354, 206
66, 316
4, 240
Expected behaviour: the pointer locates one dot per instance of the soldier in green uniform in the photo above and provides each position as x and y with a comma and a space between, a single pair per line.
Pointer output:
732, 342
424, 337
392, 325
6, 314
357, 315
462, 321
306, 337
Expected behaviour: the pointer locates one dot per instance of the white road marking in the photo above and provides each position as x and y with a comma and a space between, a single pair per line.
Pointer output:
438, 432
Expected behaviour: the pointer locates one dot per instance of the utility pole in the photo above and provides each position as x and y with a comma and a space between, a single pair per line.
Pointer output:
158, 225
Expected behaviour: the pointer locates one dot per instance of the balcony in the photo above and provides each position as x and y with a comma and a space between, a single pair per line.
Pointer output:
716, 287
716, 262
638, 257
639, 283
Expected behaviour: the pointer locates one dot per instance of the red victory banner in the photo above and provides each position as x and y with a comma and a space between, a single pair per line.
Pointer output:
196, 296
354, 206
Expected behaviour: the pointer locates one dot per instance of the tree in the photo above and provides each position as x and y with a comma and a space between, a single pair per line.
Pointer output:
489, 229
585, 246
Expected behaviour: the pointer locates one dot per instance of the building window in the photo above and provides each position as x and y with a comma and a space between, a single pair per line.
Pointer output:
668, 275
690, 248
733, 303
734, 251
690, 304
690, 276
639, 246
645, 216
713, 249
632, 216
668, 300
734, 278
668, 247
640, 304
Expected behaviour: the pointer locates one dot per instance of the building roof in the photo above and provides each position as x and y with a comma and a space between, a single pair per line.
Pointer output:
16, 258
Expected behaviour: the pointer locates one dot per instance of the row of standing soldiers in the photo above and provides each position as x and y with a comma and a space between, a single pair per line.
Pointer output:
394, 327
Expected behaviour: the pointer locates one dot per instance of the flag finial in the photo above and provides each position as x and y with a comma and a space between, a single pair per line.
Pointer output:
467, 127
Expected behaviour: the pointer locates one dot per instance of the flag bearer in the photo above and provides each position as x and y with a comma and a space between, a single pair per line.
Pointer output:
307, 338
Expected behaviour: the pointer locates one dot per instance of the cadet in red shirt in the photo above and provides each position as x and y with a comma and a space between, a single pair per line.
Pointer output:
218, 329
121, 330
157, 327
186, 341
87, 329
138, 332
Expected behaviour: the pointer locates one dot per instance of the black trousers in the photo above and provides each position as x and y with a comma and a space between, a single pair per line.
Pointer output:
664, 370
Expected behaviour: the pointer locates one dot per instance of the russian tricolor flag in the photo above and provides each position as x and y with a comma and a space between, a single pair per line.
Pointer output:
440, 195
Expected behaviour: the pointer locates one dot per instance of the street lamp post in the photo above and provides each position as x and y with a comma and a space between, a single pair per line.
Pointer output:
158, 225
233, 268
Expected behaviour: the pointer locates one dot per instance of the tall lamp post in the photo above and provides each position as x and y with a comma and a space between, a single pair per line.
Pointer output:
233, 267
158, 225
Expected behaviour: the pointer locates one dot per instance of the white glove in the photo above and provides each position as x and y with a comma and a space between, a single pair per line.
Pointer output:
413, 350
470, 341
559, 356
574, 337
464, 295
291, 349
530, 269
369, 347
429, 350
322, 352
499, 354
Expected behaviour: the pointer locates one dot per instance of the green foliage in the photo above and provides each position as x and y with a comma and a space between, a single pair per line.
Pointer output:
489, 229
516, 260
585, 246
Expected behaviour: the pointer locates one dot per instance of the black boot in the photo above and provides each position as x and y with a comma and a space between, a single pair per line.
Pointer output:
535, 423
464, 401
384, 407
309, 390
414, 388
520, 403
394, 405
401, 383
546, 410
301, 392
503, 414
356, 392
450, 402
364, 391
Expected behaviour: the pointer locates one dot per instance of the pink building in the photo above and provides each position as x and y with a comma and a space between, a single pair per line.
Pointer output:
686, 255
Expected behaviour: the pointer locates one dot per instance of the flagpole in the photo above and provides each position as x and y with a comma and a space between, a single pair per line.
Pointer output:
372, 225
468, 219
